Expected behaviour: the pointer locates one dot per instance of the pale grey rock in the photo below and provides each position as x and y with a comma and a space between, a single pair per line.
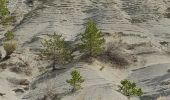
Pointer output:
139, 20
153, 80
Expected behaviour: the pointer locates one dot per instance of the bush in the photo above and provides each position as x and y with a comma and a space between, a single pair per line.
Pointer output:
3, 9
91, 40
76, 80
8, 20
129, 88
9, 47
9, 35
55, 48
5, 17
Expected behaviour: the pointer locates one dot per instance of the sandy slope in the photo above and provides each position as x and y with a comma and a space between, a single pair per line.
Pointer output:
141, 22
98, 84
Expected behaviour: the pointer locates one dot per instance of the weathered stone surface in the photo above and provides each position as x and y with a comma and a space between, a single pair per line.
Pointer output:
154, 80
139, 21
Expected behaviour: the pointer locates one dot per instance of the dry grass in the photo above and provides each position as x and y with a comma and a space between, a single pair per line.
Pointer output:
25, 70
9, 47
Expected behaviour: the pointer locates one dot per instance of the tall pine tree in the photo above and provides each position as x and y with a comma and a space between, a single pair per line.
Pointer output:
92, 40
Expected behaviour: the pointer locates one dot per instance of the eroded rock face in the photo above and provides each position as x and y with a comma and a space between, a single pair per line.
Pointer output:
138, 21
69, 17
154, 80
96, 86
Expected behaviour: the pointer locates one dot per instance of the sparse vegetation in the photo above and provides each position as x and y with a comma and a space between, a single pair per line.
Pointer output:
3, 9
129, 88
5, 17
91, 40
9, 44
102, 68
76, 80
8, 20
56, 49
9, 47
9, 36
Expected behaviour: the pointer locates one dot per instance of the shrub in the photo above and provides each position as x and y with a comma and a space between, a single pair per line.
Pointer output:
5, 17
76, 80
8, 20
9, 47
55, 48
3, 8
129, 88
91, 40
9, 35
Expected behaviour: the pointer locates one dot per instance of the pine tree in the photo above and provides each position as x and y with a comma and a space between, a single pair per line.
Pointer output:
76, 80
55, 48
129, 88
92, 40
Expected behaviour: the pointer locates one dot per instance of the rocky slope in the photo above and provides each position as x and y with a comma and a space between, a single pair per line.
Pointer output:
142, 26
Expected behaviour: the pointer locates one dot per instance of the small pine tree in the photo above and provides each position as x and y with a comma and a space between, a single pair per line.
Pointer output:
56, 49
92, 40
76, 80
129, 88
9, 35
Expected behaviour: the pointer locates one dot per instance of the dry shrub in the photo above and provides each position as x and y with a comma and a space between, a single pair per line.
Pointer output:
117, 58
27, 71
116, 54
9, 47
21, 68
50, 92
16, 81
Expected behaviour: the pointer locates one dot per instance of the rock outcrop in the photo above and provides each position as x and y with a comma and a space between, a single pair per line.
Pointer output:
143, 26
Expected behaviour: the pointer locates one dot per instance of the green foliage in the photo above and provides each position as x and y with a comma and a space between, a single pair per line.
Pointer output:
9, 47
7, 20
92, 40
9, 35
129, 88
55, 48
5, 17
3, 9
76, 80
